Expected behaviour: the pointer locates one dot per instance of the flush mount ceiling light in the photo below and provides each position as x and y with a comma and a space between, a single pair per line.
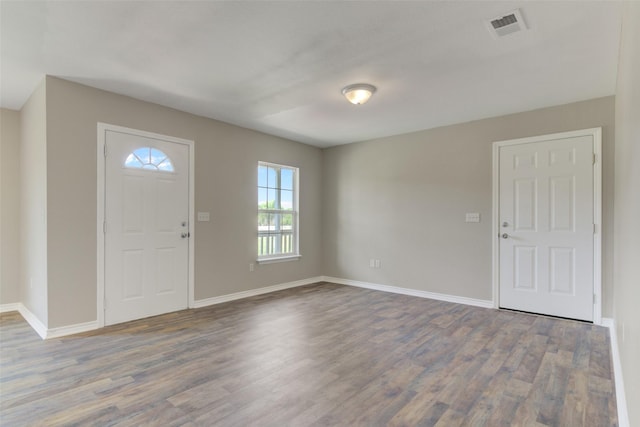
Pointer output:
358, 93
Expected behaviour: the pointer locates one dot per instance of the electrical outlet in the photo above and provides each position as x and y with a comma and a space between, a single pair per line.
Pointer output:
377, 263
251, 267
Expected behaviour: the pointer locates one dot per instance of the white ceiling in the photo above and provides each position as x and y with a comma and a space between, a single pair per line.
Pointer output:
279, 66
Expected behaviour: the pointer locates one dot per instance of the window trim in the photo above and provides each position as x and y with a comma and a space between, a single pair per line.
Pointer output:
273, 260
295, 211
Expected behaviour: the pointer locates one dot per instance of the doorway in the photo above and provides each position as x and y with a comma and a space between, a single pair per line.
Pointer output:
547, 209
145, 262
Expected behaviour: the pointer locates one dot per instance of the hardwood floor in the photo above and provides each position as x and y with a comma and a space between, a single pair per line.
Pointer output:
317, 355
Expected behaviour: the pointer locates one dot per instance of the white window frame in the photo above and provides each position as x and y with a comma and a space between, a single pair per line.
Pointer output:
295, 254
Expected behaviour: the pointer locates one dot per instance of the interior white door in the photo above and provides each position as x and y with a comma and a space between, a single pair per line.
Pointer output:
146, 226
546, 228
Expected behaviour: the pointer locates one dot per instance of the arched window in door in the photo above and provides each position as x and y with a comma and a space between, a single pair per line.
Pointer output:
149, 158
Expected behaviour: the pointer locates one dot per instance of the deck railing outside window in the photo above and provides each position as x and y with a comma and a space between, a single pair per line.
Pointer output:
277, 211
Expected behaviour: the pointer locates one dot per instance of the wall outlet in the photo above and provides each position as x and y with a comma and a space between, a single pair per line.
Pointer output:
203, 216
377, 263
251, 267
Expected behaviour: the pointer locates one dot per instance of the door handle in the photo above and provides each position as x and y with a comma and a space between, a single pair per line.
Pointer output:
504, 236
185, 235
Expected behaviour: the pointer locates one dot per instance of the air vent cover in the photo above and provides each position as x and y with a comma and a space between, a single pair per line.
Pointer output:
509, 23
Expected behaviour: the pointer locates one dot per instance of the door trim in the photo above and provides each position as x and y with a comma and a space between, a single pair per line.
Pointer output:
596, 134
101, 182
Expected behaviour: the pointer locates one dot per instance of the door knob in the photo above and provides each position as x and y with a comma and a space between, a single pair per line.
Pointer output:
185, 235
505, 236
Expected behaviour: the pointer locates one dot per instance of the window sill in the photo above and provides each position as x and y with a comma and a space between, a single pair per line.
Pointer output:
278, 259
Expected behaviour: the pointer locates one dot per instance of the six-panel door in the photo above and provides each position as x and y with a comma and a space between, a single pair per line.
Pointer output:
546, 227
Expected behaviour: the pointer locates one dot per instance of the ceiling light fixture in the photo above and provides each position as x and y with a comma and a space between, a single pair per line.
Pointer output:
358, 93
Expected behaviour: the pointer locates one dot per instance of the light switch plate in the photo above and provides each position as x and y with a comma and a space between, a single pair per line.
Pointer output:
203, 216
472, 217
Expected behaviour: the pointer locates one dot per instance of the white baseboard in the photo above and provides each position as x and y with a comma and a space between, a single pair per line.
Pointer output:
42, 330
71, 329
621, 399
253, 292
412, 292
14, 306
46, 333
33, 321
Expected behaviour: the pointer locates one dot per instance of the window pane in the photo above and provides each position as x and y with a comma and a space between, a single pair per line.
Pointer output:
150, 159
271, 199
132, 162
263, 221
286, 179
270, 244
262, 176
166, 166
286, 243
287, 222
157, 156
262, 198
271, 178
263, 244
144, 154
286, 199
267, 225
274, 222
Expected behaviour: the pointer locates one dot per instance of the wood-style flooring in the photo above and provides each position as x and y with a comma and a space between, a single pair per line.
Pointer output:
318, 355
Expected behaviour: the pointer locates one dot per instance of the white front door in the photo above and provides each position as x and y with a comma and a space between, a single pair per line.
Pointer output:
546, 226
146, 226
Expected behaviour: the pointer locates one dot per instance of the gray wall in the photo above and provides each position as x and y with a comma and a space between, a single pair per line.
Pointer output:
33, 204
225, 185
400, 199
9, 206
627, 210
403, 200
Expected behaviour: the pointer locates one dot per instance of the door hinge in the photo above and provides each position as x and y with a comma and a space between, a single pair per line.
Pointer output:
595, 299
594, 158
594, 228
105, 150
104, 227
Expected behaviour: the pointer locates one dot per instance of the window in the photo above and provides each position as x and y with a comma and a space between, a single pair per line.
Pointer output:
277, 212
149, 158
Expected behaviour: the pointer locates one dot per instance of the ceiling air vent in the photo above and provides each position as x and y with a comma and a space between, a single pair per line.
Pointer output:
510, 23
